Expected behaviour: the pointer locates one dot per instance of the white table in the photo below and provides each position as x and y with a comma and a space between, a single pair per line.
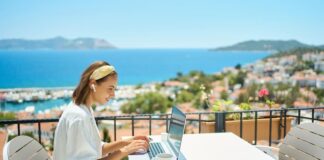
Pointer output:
218, 146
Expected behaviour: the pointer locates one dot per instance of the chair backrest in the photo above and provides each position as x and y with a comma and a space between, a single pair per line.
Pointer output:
24, 148
303, 142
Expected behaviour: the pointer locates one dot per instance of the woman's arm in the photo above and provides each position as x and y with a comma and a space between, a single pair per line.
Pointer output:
132, 147
114, 146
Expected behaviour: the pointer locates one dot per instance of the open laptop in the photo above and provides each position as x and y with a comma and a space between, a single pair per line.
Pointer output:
173, 144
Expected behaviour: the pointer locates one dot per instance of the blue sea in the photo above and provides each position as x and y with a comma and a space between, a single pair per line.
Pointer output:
25, 69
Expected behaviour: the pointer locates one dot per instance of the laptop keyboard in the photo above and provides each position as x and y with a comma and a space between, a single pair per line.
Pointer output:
155, 148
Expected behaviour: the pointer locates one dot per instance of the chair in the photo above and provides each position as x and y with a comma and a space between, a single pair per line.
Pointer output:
303, 142
24, 148
271, 151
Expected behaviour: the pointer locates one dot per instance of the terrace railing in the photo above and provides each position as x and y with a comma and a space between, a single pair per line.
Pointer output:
218, 117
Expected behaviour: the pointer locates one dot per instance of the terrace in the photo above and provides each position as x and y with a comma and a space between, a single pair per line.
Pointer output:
279, 122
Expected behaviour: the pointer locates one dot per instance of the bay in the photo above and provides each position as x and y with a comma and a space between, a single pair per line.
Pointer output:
25, 69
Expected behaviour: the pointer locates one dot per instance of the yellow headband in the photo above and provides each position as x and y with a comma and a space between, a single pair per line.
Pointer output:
102, 72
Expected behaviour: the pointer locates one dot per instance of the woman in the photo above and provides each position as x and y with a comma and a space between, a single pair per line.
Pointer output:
77, 136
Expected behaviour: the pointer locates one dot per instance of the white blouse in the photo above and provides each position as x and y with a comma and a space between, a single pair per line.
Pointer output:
77, 135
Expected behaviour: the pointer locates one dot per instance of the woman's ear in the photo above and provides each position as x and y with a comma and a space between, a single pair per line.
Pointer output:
92, 85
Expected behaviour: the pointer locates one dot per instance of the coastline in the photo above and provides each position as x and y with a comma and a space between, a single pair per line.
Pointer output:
35, 88
22, 97
48, 98
258, 72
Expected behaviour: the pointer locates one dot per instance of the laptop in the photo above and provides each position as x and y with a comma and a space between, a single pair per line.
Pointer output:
173, 144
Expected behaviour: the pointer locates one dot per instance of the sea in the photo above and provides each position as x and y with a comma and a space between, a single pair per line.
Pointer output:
29, 69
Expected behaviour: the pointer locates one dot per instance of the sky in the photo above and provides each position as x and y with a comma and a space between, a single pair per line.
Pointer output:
165, 23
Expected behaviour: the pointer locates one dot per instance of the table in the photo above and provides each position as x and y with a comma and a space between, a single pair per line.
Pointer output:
218, 146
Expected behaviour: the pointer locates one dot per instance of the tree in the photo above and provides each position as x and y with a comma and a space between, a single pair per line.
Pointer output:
197, 101
238, 66
179, 74
309, 64
158, 86
151, 102
292, 96
237, 79
240, 77
138, 86
224, 95
205, 104
252, 90
184, 96
242, 98
7, 116
106, 137
320, 95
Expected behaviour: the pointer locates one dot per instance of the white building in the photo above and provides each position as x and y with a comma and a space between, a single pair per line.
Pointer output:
320, 82
288, 60
319, 66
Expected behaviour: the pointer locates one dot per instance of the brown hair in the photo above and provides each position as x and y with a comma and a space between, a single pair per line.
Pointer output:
82, 91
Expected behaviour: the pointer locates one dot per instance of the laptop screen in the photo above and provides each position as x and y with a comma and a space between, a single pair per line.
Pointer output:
176, 129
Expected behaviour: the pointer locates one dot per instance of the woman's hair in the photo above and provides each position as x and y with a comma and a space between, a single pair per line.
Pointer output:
82, 91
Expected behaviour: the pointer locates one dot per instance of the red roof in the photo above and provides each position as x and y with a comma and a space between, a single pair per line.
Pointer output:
302, 104
174, 84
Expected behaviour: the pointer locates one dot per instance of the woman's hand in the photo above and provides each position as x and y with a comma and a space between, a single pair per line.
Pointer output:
134, 146
145, 138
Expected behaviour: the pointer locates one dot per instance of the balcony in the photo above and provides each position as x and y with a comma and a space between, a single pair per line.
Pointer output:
151, 124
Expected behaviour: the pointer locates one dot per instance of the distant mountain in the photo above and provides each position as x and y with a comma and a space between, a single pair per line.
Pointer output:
57, 43
263, 45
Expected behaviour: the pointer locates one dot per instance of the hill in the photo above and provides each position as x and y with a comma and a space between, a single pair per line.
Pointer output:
57, 43
264, 45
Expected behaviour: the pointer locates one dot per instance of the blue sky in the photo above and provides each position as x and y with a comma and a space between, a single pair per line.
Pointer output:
165, 23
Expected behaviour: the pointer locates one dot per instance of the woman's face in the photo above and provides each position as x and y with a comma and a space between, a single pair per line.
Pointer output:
105, 90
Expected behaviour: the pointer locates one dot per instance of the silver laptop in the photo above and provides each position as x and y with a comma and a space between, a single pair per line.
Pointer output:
173, 144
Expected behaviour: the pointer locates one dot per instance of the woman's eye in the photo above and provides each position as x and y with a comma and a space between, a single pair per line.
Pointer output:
111, 89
